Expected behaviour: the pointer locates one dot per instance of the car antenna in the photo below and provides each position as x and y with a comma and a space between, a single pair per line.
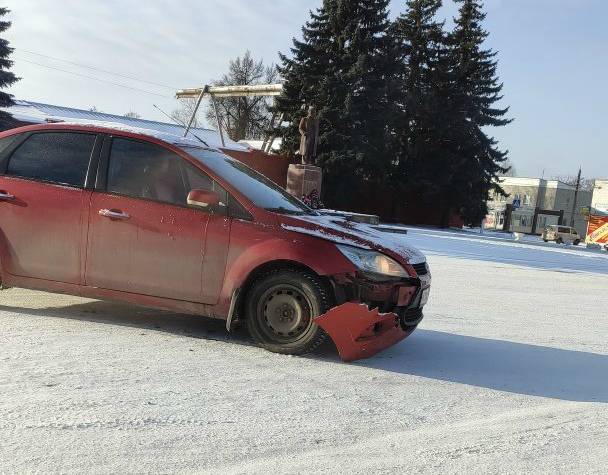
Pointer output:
174, 120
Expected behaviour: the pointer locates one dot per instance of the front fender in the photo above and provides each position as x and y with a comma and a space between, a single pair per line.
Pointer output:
254, 244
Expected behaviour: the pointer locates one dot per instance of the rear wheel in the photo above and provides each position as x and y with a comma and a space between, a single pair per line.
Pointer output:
280, 310
577, 242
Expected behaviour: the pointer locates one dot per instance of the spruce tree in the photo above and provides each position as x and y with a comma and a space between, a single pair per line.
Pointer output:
343, 66
7, 78
477, 90
303, 72
424, 76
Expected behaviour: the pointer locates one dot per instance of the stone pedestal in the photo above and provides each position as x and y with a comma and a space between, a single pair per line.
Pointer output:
302, 180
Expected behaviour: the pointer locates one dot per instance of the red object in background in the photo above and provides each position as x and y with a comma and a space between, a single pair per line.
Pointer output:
90, 240
370, 200
597, 231
271, 166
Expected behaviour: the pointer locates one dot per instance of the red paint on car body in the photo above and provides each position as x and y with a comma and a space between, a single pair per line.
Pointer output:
90, 242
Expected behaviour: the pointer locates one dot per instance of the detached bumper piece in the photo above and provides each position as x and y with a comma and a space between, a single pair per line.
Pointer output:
359, 332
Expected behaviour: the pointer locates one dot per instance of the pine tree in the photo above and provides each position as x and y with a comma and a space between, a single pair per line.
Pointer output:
343, 66
477, 89
7, 78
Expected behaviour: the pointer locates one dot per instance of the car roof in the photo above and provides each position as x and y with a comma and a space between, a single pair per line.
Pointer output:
118, 129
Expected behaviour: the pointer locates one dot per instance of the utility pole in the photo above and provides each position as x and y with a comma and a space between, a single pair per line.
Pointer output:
578, 186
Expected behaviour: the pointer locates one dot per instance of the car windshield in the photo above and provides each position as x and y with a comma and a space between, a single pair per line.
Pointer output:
263, 192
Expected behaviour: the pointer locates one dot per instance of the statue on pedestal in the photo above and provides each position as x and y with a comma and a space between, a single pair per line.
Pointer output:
309, 129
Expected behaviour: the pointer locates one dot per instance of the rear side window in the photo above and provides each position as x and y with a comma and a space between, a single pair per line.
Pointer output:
143, 170
6, 142
55, 157
563, 230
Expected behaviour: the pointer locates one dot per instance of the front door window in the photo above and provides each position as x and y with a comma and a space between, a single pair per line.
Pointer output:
144, 170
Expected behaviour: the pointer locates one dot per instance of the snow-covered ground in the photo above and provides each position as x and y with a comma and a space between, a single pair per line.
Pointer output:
507, 373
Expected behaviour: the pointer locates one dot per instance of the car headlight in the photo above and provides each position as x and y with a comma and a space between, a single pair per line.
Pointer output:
372, 261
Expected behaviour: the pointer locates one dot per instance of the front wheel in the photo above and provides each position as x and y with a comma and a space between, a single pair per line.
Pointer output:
280, 310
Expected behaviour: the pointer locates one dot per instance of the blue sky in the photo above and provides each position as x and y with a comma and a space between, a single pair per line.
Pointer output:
553, 59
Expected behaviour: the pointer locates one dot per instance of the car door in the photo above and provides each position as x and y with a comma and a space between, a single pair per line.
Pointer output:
44, 205
143, 237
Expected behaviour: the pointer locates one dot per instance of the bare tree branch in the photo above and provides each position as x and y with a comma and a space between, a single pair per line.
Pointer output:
244, 117
183, 114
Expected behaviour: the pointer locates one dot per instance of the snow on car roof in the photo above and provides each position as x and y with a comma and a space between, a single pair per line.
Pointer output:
38, 113
189, 141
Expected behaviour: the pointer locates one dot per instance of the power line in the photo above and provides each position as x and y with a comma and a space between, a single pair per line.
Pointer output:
97, 69
93, 78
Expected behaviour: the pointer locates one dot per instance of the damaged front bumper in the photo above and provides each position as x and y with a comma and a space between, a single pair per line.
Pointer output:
360, 332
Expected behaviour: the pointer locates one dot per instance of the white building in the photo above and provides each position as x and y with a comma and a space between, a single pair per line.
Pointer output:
529, 198
599, 201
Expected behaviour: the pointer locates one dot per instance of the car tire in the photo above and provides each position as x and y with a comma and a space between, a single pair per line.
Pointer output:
280, 309
559, 241
576, 242
546, 240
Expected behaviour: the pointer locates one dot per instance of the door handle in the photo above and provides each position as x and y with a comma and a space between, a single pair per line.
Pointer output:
4, 196
113, 214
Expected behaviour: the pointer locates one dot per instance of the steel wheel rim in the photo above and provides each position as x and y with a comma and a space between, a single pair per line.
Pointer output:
285, 313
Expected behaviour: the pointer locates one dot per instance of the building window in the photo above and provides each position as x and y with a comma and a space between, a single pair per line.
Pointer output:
527, 200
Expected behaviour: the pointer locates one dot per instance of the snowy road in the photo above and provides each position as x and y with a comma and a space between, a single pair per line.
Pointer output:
507, 373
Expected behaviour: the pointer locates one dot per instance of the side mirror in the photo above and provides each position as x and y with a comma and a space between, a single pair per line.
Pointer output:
208, 200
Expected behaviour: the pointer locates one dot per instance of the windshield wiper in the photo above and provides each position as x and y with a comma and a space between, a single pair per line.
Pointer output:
283, 210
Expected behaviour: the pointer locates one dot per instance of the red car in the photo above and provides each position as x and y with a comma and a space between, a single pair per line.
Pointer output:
167, 222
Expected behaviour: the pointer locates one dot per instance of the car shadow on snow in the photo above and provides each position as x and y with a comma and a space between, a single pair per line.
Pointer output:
493, 364
113, 313
501, 365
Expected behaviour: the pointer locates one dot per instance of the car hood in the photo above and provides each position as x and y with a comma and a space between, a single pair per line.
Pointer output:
342, 231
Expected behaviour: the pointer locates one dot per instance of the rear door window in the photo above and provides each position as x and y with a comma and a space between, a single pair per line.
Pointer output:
563, 230
55, 157
147, 171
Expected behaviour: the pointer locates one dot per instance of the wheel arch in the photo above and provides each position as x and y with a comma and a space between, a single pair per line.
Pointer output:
273, 266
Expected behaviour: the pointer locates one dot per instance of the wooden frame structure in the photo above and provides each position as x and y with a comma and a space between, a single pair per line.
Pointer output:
271, 90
